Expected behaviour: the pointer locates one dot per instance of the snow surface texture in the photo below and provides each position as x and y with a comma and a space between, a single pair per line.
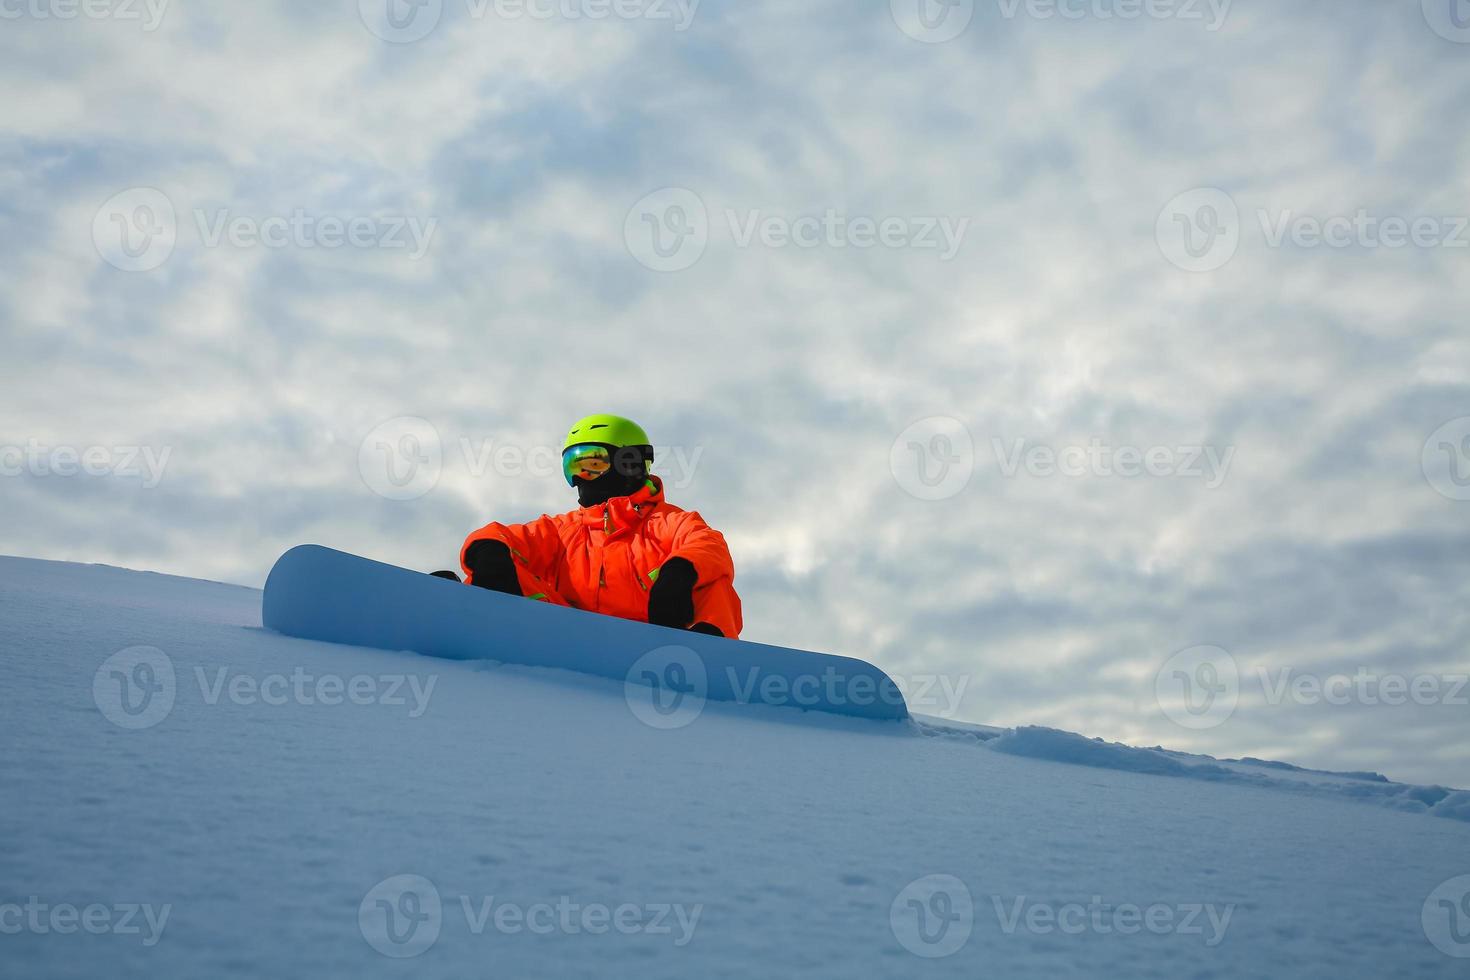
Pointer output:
188, 795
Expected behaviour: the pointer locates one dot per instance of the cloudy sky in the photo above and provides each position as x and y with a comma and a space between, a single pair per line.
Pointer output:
1100, 364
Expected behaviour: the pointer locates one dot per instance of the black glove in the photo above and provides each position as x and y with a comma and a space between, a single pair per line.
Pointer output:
452, 576
671, 600
709, 629
491, 567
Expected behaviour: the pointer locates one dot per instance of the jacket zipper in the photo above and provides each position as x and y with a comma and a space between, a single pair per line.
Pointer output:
602, 569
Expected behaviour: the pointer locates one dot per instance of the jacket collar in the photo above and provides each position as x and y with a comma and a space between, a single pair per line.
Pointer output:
625, 513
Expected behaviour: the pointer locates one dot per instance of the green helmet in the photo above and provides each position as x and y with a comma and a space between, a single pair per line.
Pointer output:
601, 442
610, 430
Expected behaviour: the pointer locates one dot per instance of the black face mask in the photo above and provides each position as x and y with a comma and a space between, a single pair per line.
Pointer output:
611, 484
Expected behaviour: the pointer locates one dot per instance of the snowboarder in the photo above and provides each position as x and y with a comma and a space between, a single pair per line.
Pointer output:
626, 552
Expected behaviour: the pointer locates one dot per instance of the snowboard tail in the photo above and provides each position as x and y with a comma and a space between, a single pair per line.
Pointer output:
316, 593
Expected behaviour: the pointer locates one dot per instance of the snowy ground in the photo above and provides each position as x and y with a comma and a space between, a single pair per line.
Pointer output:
475, 820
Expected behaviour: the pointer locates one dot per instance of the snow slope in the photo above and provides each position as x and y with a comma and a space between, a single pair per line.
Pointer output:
302, 809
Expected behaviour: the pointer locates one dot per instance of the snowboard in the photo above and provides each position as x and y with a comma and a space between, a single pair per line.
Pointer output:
316, 593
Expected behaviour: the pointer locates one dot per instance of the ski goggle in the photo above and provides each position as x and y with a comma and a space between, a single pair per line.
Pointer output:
589, 460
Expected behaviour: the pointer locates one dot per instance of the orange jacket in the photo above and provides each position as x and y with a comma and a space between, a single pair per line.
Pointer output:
605, 558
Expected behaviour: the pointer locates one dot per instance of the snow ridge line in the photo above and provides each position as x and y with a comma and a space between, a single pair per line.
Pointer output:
1051, 744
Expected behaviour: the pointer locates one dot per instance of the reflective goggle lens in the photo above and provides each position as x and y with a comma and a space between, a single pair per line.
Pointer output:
588, 460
